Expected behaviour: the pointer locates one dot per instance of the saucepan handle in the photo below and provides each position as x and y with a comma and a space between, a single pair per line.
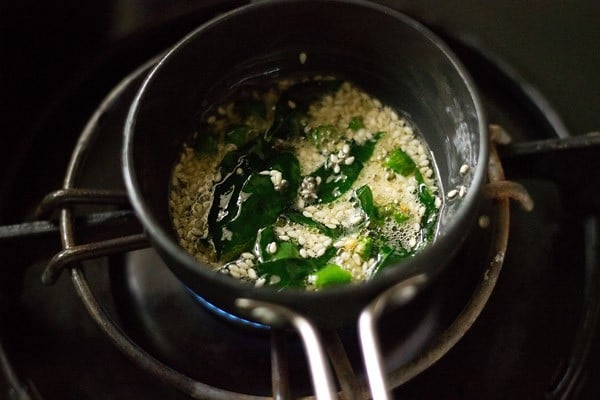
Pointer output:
396, 296
278, 316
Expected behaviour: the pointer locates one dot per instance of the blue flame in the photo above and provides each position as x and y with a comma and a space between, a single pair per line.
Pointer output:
224, 314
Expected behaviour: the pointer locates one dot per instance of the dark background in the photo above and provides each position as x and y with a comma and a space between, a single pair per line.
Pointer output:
553, 44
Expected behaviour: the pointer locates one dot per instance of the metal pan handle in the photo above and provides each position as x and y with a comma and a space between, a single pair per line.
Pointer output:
396, 296
278, 316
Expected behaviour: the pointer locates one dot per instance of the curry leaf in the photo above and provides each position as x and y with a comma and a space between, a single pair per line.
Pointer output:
365, 198
364, 247
333, 185
238, 135
303, 220
245, 202
426, 198
205, 144
388, 255
292, 272
293, 106
356, 123
265, 237
321, 134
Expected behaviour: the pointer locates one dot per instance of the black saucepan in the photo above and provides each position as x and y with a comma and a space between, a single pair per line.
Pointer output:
388, 54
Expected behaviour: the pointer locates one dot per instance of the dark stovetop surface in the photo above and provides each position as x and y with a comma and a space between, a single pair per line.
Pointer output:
520, 346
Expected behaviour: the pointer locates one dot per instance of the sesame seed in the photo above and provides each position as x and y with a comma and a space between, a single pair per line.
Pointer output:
451, 194
484, 221
349, 160
464, 169
462, 190
275, 279
302, 57
303, 253
412, 242
226, 234
252, 274
260, 282
239, 171
355, 219
272, 248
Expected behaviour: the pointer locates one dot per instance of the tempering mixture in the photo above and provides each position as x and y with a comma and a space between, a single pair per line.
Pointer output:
308, 183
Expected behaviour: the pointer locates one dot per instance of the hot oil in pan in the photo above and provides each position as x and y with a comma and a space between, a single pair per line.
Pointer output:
304, 182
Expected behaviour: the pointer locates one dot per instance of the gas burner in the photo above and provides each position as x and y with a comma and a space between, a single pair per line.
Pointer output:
153, 319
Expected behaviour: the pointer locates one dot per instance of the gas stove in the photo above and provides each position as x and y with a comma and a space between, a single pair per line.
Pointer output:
139, 333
